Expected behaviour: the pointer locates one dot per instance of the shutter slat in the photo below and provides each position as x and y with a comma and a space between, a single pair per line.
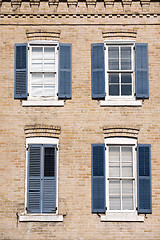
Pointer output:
141, 70
98, 178
65, 71
20, 71
34, 179
98, 70
144, 178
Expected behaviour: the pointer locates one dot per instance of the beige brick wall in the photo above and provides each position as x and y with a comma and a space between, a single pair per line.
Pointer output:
81, 120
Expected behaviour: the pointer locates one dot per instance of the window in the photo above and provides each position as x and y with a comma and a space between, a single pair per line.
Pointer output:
119, 72
43, 72
121, 178
42, 175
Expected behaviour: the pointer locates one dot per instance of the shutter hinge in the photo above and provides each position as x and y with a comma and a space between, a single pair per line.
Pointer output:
56, 149
133, 47
104, 48
105, 148
136, 208
28, 210
28, 48
27, 94
135, 94
57, 48
27, 148
136, 149
106, 208
57, 94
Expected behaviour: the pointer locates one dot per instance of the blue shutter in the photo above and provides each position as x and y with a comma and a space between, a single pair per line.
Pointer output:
20, 71
98, 71
141, 70
65, 71
34, 179
144, 178
49, 180
98, 178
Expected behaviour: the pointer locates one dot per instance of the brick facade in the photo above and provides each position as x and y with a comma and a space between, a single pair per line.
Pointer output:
81, 121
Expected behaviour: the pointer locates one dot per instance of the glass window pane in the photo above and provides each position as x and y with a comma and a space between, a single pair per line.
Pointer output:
37, 91
126, 154
127, 203
37, 66
127, 195
113, 58
115, 203
49, 66
114, 170
127, 161
114, 188
125, 64
126, 58
114, 154
49, 91
114, 195
114, 90
37, 78
127, 170
126, 52
49, 162
49, 53
113, 64
113, 52
37, 52
113, 77
126, 78
126, 90
127, 187
49, 78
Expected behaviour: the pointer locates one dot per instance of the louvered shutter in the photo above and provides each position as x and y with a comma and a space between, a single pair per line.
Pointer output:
49, 180
98, 178
144, 178
65, 71
141, 70
98, 70
34, 179
20, 71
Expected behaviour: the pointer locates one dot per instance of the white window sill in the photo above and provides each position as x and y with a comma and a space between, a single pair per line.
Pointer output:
45, 103
122, 217
41, 218
116, 103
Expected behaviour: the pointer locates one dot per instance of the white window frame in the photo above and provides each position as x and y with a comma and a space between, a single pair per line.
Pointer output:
43, 101
42, 44
121, 215
41, 216
120, 100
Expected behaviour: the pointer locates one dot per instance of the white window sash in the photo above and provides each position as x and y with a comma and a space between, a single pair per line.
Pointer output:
132, 71
42, 44
121, 142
